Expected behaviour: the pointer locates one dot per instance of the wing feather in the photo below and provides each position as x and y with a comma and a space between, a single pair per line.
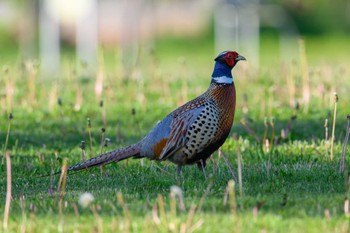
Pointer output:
183, 118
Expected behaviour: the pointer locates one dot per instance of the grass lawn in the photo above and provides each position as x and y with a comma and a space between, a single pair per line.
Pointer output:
290, 182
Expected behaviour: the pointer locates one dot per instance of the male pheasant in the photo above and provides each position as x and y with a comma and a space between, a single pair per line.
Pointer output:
192, 132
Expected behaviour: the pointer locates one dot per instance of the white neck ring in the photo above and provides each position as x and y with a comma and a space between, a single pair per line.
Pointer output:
223, 80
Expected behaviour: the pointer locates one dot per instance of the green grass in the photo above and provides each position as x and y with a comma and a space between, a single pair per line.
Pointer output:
293, 187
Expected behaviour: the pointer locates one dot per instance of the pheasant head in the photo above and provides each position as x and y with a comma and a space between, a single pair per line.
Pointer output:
224, 63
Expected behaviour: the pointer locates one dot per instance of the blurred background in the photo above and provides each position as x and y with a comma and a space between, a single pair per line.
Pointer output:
49, 30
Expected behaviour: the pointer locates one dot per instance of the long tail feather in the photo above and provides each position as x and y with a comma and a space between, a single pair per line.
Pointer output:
109, 157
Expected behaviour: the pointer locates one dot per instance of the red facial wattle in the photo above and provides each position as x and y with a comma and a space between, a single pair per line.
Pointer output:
230, 61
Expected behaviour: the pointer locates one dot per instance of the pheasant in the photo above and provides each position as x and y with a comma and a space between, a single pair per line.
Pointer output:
192, 132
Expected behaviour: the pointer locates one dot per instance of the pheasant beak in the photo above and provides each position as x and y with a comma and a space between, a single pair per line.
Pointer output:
239, 58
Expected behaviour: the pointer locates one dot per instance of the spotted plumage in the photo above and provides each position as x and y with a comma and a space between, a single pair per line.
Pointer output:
192, 132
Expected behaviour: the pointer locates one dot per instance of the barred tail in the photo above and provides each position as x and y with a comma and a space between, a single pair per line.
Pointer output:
109, 157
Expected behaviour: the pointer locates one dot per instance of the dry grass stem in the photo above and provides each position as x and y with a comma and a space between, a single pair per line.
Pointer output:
62, 185
265, 132
99, 84
232, 197
53, 96
336, 99
257, 208
10, 117
190, 217
10, 90
173, 212
176, 191
162, 170
196, 226
305, 75
102, 167
75, 208
239, 164
127, 214
98, 219
155, 216
290, 86
250, 130
52, 172
201, 201
161, 207
228, 164
342, 162
8, 190
326, 137
272, 124
346, 207
32, 71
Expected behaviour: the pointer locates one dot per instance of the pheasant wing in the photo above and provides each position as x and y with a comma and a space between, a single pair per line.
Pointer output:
183, 118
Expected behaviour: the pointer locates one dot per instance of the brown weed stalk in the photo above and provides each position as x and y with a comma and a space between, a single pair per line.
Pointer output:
336, 99
8, 190
10, 117
62, 185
